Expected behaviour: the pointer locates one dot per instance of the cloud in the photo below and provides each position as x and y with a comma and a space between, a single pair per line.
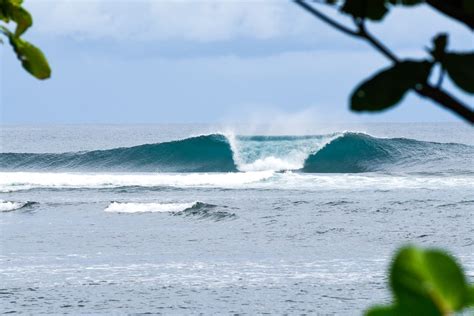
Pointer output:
157, 20
220, 20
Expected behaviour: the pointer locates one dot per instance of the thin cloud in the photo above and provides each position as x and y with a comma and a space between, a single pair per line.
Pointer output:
202, 21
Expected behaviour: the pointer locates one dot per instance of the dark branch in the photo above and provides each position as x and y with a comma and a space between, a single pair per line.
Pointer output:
446, 101
434, 93
326, 19
375, 42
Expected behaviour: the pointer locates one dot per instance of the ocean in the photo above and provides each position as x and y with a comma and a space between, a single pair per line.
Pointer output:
205, 219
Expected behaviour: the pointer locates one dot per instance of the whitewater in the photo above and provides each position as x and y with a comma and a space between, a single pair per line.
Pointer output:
189, 219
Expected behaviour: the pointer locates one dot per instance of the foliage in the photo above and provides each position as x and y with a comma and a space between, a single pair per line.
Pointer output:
394, 82
387, 88
31, 57
426, 282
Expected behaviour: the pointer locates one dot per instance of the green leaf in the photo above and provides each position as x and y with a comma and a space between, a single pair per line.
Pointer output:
12, 10
382, 311
471, 296
428, 282
375, 11
389, 86
460, 68
31, 57
22, 18
3, 12
15, 2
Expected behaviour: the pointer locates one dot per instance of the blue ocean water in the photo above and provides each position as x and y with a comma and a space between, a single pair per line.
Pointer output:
190, 219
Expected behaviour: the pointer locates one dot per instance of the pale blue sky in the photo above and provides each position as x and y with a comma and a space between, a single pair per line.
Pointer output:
206, 61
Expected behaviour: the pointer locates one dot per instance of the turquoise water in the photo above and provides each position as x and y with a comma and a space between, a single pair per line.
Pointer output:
189, 219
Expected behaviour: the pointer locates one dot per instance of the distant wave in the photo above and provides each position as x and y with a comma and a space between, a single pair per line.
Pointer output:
334, 153
8, 206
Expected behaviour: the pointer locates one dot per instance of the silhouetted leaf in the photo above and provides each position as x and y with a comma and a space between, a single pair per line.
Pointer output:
460, 67
389, 86
468, 5
31, 57
428, 282
406, 2
440, 42
371, 9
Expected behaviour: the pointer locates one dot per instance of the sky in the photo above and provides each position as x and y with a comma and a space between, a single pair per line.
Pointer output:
208, 61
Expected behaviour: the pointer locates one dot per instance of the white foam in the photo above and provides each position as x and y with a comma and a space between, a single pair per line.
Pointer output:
270, 163
7, 206
15, 181
273, 155
117, 207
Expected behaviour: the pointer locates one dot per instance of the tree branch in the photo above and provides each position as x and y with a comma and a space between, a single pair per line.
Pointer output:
426, 90
326, 19
375, 42
446, 101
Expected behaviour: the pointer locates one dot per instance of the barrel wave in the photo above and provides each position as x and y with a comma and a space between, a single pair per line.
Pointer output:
334, 153
209, 153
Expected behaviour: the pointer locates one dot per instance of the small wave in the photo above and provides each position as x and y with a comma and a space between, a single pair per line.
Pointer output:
207, 211
196, 209
8, 206
118, 207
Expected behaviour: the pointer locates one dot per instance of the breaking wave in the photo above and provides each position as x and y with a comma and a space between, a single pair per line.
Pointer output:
334, 153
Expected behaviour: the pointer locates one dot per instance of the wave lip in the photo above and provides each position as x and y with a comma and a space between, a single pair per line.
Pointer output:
8, 206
